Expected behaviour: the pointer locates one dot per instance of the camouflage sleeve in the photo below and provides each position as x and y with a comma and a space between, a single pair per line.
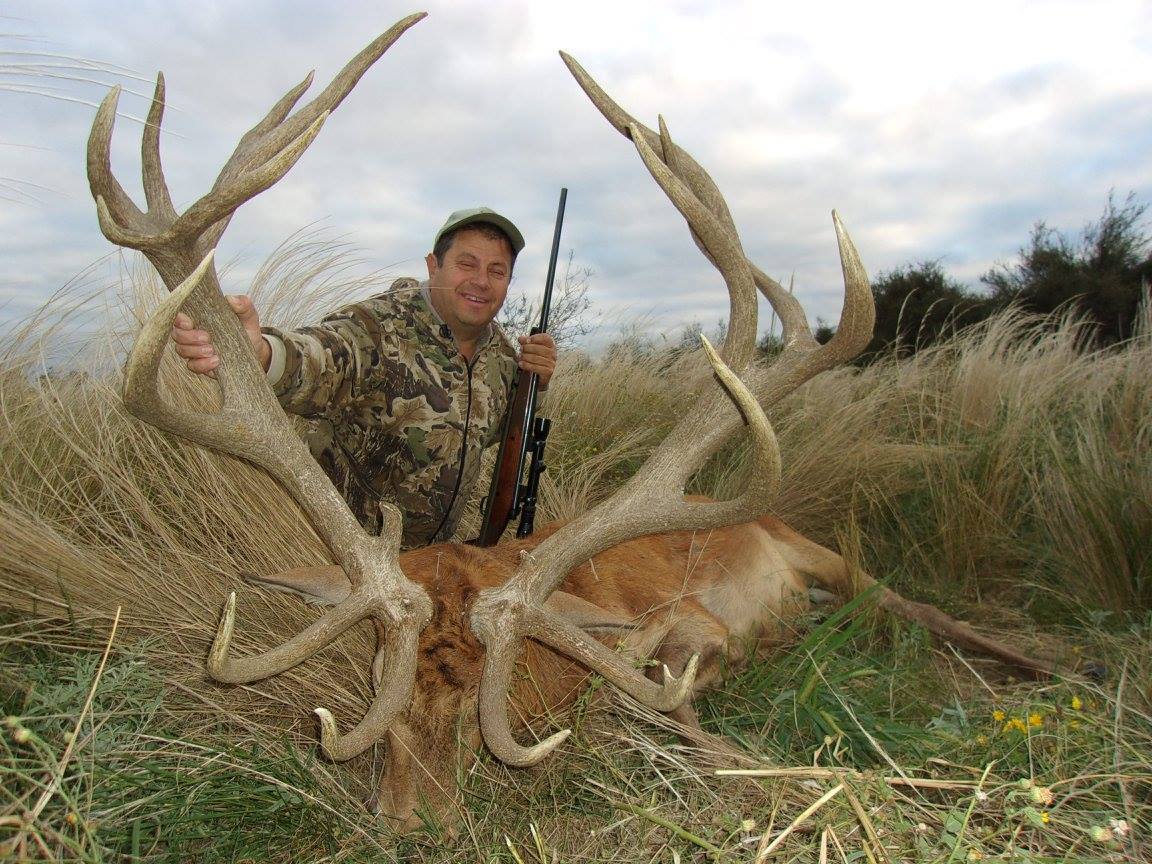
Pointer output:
324, 365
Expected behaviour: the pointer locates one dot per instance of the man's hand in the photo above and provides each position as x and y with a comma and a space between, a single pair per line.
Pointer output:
538, 354
195, 346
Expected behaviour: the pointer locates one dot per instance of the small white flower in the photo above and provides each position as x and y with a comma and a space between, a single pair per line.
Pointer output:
1120, 826
1041, 795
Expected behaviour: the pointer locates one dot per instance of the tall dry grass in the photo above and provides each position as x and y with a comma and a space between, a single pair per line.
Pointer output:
1006, 462
100, 511
1005, 465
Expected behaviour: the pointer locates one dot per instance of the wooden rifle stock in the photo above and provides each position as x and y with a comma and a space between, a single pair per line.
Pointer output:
503, 495
506, 495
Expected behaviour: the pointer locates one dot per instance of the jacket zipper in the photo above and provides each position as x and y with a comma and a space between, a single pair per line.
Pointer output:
463, 457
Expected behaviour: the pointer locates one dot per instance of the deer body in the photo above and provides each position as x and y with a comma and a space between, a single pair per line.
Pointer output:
663, 597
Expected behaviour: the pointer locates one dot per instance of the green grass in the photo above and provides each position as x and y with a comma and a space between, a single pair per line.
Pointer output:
117, 778
1055, 762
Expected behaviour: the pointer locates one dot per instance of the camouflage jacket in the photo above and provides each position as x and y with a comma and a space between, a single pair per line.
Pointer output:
394, 411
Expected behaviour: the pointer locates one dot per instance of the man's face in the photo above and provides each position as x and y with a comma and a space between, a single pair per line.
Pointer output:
469, 288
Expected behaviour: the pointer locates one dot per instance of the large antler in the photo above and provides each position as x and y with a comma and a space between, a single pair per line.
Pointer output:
251, 424
801, 358
653, 499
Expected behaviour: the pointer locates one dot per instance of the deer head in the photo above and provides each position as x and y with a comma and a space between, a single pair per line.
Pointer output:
486, 604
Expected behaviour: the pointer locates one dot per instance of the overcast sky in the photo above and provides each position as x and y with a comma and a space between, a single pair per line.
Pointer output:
937, 130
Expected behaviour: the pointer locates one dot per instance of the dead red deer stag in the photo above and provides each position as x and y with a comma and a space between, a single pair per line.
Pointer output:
646, 573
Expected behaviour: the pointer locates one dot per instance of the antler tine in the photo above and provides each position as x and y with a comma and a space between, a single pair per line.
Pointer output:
300, 647
572, 642
803, 358
492, 704
682, 164
652, 500
396, 680
392, 697
327, 100
119, 209
704, 188
155, 188
858, 313
400, 649
274, 117
794, 328
270, 139
215, 209
718, 240
687, 168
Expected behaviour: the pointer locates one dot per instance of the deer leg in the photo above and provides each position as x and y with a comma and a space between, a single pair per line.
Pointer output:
833, 573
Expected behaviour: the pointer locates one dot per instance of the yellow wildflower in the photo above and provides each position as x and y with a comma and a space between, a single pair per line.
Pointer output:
1076, 703
1015, 723
998, 715
1044, 817
1035, 719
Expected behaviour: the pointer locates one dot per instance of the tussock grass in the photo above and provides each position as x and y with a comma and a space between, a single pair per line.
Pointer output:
1004, 474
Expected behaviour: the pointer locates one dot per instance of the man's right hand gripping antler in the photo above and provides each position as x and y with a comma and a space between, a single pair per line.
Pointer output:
195, 345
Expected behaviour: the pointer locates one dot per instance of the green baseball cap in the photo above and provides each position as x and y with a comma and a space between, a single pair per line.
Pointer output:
482, 214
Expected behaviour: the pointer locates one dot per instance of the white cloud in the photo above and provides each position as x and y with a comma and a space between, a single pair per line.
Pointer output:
936, 130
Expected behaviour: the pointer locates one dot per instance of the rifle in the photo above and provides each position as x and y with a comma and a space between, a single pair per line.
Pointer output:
524, 433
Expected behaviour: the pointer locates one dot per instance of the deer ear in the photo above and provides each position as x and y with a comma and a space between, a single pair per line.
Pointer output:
324, 585
588, 616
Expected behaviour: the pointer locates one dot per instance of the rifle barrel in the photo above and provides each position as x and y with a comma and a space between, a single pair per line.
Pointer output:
546, 306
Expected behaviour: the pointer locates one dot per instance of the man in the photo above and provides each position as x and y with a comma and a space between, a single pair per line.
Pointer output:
403, 391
